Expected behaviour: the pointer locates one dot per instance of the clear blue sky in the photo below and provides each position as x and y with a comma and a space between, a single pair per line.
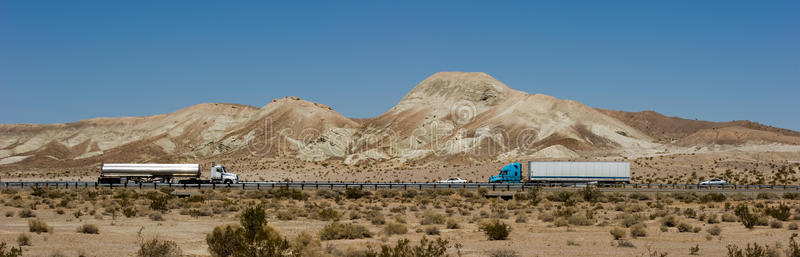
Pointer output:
63, 61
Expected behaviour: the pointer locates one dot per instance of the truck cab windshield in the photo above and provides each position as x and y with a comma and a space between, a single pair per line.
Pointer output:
222, 169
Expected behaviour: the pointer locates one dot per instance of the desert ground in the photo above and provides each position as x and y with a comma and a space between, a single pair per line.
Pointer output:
552, 223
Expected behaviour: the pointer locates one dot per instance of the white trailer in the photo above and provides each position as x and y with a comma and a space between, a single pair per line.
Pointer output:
602, 172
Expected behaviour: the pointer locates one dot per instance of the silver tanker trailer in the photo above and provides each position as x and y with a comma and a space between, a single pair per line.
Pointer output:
158, 172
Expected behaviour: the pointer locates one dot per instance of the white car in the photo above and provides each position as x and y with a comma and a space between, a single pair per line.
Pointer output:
713, 181
453, 180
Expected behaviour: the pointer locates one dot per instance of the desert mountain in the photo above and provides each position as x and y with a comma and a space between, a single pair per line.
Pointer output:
448, 117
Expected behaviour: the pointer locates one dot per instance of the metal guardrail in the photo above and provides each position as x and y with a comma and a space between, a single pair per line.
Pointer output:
313, 185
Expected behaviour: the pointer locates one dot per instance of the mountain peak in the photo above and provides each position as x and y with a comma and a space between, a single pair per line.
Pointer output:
448, 88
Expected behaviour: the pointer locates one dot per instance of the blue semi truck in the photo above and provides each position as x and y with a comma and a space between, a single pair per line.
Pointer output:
565, 172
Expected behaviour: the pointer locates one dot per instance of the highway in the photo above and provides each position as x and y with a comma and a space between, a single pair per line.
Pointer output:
314, 185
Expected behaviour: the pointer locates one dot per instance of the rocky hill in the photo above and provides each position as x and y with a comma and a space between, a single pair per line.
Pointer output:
450, 117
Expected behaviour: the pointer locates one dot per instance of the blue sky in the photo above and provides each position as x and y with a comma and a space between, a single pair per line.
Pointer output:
63, 61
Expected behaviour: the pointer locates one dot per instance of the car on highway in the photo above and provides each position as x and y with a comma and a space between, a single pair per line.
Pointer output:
453, 180
713, 182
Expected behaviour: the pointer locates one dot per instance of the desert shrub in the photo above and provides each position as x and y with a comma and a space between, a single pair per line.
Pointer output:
23, 239
159, 248
754, 250
251, 237
766, 196
694, 250
502, 253
591, 194
496, 230
155, 216
563, 196
284, 215
452, 224
791, 195
159, 202
288, 193
10, 213
12, 252
328, 214
38, 226
775, 224
712, 219
712, 197
394, 228
747, 218
433, 218
561, 222
714, 230
628, 220
684, 227
729, 217
781, 212
432, 230
618, 233
426, 248
792, 226
26, 213
376, 217
88, 229
638, 230
336, 230
355, 193
129, 212
579, 220
669, 221
689, 213
696, 229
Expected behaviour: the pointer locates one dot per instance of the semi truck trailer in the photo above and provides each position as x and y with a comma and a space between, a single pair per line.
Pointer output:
565, 172
157, 172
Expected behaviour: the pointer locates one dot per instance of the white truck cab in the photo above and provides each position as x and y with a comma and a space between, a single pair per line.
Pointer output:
220, 174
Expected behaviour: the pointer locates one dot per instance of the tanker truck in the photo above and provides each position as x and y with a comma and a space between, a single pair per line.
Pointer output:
565, 172
121, 173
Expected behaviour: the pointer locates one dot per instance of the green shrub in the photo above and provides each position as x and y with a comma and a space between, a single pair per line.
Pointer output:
38, 226
591, 194
781, 212
394, 228
638, 230
159, 202
426, 248
288, 193
618, 233
747, 218
496, 230
336, 230
251, 237
88, 229
159, 248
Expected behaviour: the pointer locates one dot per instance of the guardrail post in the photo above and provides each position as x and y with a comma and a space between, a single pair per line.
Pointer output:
140, 186
420, 186
243, 184
111, 185
95, 185
493, 187
213, 185
434, 186
302, 186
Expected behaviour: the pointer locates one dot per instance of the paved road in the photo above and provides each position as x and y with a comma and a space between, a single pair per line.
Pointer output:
312, 185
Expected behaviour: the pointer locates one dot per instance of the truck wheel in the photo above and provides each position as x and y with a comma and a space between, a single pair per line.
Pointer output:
228, 181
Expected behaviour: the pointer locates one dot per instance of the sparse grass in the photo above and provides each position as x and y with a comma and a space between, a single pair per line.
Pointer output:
502, 253
23, 239
638, 230
432, 230
433, 218
159, 248
714, 230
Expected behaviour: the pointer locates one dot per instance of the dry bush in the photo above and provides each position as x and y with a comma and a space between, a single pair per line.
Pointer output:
433, 218
336, 230
792, 226
776, 224
496, 230
23, 239
579, 220
452, 224
714, 230
394, 228
502, 253
12, 252
618, 233
155, 216
684, 227
38, 226
638, 230
88, 229
159, 248
669, 221
432, 230
26, 213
